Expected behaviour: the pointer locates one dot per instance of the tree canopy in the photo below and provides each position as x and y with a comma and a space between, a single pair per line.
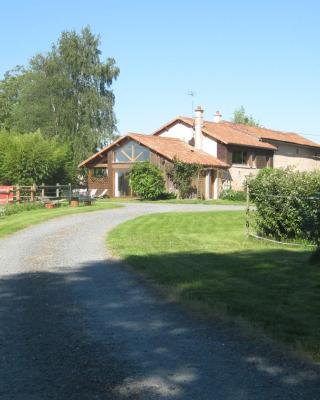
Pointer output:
66, 93
240, 116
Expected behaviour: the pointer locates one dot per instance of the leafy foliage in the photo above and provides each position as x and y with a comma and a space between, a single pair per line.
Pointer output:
234, 195
11, 209
65, 93
287, 204
241, 117
181, 175
146, 180
30, 158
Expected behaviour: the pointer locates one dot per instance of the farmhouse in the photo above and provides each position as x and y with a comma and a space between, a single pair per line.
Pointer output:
228, 153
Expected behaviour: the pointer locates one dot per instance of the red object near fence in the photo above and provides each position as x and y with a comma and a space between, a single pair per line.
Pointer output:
6, 194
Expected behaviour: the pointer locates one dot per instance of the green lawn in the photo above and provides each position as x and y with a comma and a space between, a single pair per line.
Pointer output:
15, 222
181, 201
205, 258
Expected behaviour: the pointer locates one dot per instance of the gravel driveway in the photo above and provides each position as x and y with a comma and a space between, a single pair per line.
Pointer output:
75, 324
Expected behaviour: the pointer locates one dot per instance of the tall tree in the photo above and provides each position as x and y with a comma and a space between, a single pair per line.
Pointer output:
241, 117
9, 95
66, 93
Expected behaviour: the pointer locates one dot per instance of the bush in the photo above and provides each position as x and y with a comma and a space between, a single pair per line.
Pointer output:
287, 204
146, 180
234, 195
11, 209
30, 158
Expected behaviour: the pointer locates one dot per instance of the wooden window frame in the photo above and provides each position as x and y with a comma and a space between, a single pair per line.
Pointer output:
134, 157
244, 158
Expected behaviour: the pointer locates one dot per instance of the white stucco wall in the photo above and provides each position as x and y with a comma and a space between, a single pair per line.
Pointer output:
179, 131
300, 157
209, 145
182, 132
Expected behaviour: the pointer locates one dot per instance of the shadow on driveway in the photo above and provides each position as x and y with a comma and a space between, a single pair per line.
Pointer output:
96, 332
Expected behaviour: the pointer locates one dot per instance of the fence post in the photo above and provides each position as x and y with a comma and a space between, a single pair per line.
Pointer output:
70, 192
32, 193
58, 191
18, 194
42, 190
247, 208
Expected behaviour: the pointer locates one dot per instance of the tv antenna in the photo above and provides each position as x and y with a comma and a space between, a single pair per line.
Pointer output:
191, 93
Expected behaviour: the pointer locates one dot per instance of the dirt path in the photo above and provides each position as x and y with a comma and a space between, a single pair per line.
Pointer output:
75, 324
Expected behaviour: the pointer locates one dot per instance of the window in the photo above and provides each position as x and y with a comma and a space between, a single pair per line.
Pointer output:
100, 172
239, 157
131, 152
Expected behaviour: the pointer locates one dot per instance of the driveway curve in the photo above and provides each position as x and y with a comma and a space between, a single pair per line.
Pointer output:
77, 324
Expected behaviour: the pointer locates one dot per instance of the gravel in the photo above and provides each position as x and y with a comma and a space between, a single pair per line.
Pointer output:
77, 324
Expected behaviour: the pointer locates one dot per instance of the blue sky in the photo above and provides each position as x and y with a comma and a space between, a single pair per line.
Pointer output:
263, 55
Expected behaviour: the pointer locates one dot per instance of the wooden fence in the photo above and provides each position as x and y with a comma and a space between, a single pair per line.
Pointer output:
30, 194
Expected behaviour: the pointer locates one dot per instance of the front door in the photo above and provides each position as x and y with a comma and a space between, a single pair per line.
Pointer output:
121, 183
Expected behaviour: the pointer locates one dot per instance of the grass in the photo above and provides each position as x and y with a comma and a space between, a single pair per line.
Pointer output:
205, 259
178, 201
16, 222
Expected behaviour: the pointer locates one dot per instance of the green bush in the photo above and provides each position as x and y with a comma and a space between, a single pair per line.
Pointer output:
287, 204
234, 195
11, 209
146, 180
30, 158
181, 175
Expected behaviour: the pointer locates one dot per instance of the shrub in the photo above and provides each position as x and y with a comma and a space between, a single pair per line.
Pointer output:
287, 204
234, 195
181, 175
30, 158
11, 209
146, 180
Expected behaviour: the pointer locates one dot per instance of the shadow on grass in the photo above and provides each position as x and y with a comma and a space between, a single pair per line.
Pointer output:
94, 331
277, 290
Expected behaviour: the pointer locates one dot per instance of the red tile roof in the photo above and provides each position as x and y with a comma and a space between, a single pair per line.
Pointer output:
170, 148
229, 135
243, 135
269, 134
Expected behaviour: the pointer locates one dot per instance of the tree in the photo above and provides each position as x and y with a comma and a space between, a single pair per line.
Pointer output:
9, 95
181, 175
65, 93
241, 117
146, 180
30, 158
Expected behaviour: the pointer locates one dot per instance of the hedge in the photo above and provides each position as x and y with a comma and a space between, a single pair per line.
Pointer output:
287, 204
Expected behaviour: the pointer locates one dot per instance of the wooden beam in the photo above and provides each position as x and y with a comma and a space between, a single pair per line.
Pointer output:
102, 165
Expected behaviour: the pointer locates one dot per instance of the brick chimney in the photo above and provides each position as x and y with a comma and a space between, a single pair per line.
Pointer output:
198, 124
217, 117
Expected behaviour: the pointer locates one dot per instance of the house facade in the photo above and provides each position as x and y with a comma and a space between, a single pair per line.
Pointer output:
227, 152
109, 168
